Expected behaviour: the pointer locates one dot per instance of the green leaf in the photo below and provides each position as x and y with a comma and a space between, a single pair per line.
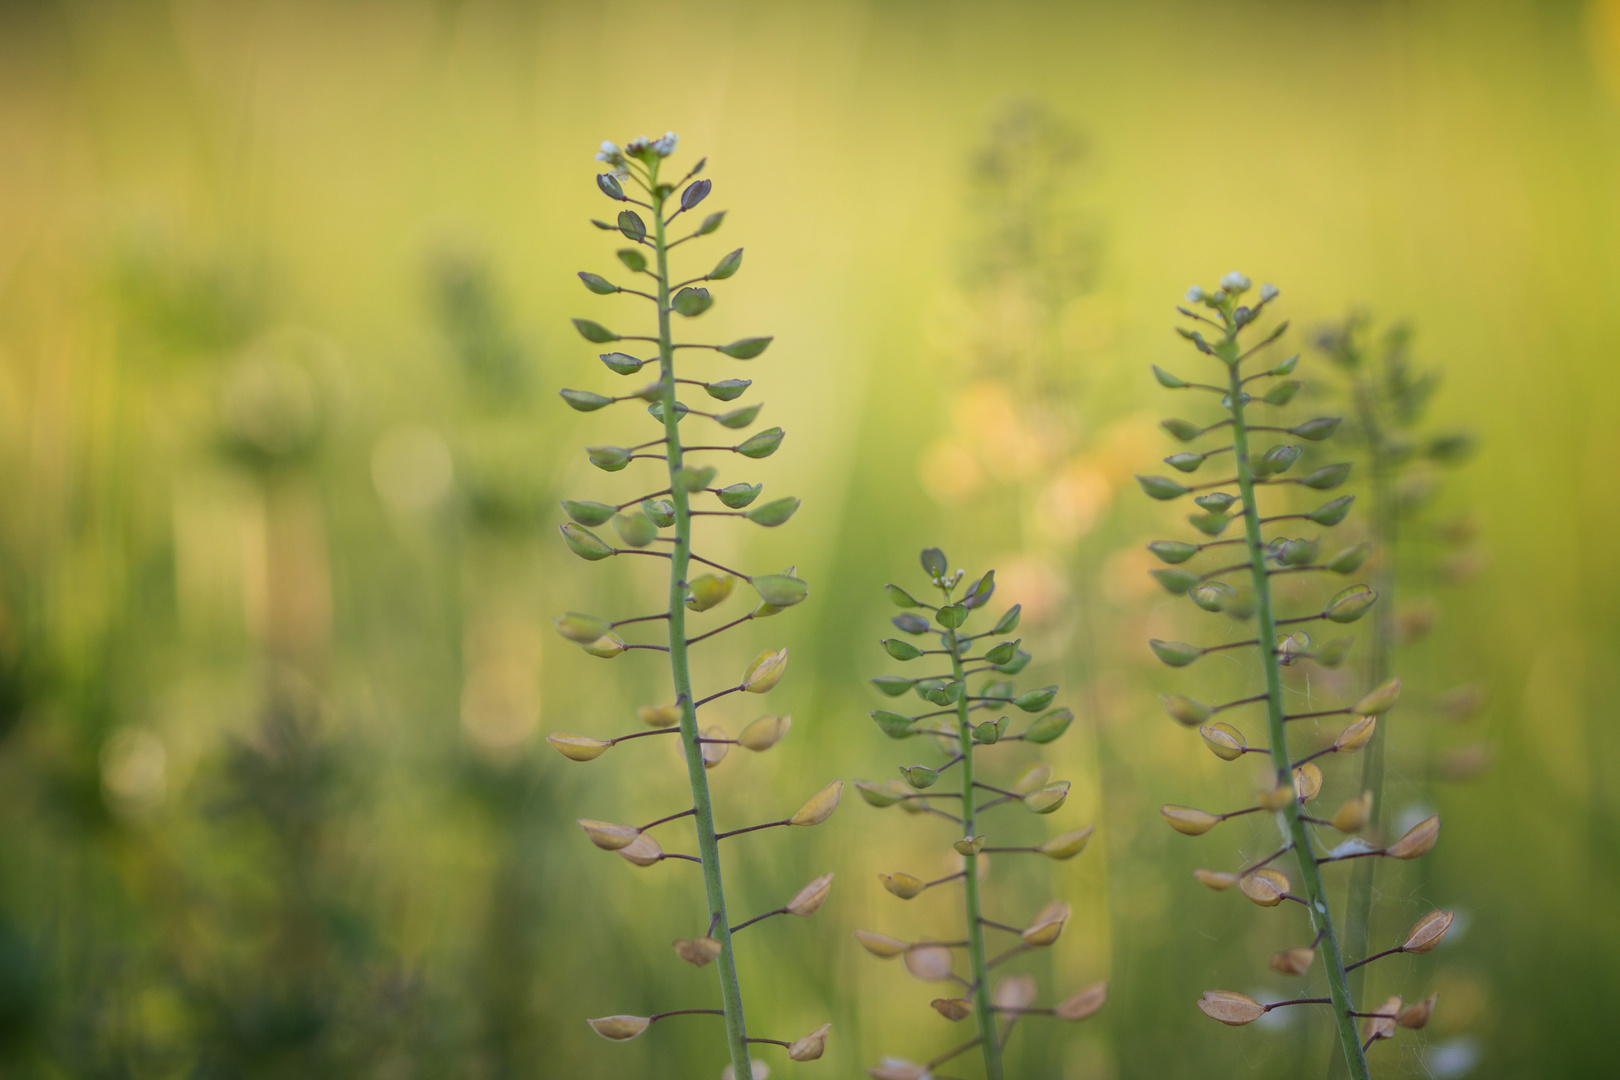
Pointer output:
762, 445
1350, 559
1282, 393
1182, 429
633, 260
1173, 551
1009, 621
1036, 700
588, 513
1003, 652
710, 223
598, 284
1166, 379
739, 418
594, 331
622, 363
738, 496
780, 590
1161, 487
635, 529
691, 302
608, 458
934, 562
1175, 582
901, 650
726, 266
893, 724
951, 616
773, 513
584, 543
1049, 727
900, 597
1175, 653
892, 685
584, 400
1186, 461
920, 776
745, 349
1331, 513
1350, 604
1316, 430
728, 389
661, 512
1327, 477
692, 479
631, 225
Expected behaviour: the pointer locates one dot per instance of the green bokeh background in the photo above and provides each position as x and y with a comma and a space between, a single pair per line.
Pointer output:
284, 291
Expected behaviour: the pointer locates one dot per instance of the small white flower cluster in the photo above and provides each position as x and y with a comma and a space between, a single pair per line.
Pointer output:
1233, 284
640, 147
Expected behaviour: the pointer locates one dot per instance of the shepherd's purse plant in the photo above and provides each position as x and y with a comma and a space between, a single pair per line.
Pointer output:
960, 738
658, 524
1292, 784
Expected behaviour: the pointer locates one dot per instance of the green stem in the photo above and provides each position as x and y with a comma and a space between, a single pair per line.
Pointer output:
697, 774
1293, 825
970, 881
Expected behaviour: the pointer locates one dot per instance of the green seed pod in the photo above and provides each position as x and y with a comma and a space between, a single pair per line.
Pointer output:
580, 629
901, 650
1286, 367
710, 223
610, 186
633, 260
691, 302
635, 529
594, 332
1018, 663
1186, 461
773, 513
1047, 799
746, 349
631, 225
622, 363
780, 590
1291, 648
924, 687
1350, 559
1184, 430
1000, 691
1240, 604
1184, 710
761, 445
1279, 459
980, 592
1379, 700
893, 724
1168, 380
1173, 551
1210, 524
588, 513
900, 597
1331, 513
1216, 502
607, 646
1327, 477
951, 616
1316, 430
694, 480
584, 400
727, 389
1003, 652
990, 731
1350, 604
920, 776
879, 795
1282, 393
893, 685
1161, 487
934, 562
740, 417
946, 694
1212, 595
909, 623
584, 543
1175, 582
1049, 727
738, 496
1334, 652
609, 458
1036, 700
661, 512
1292, 552
599, 285
1009, 621
656, 409
707, 590
1175, 653
726, 266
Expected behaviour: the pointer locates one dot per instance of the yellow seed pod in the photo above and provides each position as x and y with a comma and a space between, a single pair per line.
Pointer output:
952, 1008
643, 851
607, 646
1082, 1003
897, 1069
765, 671
1185, 819
1047, 925
1230, 1007
902, 884
714, 752
811, 1046
658, 716
1293, 961
880, 945
1265, 886
619, 1028
1068, 845
1219, 880
1226, 741
578, 747
1015, 993
1031, 778
1382, 1026
1307, 781
1380, 699
820, 806
1276, 798
1427, 931
1355, 736
1417, 1014
1419, 839
1048, 798
971, 845
608, 836
1353, 815
699, 952
930, 963
764, 733
706, 591
809, 898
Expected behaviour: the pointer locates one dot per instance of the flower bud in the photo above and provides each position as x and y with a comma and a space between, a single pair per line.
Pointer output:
714, 750
765, 671
619, 1028
642, 851
708, 590
580, 629
1427, 932
578, 747
1048, 798
812, 1045
808, 899
764, 732
1218, 880
1161, 487
1230, 1007
1266, 887
700, 952
952, 1008
905, 886
1082, 1003
820, 806
1189, 821
1417, 841
880, 945
608, 836
1352, 817
1068, 845
1379, 700
1184, 710
1226, 741
1175, 653
920, 776
1417, 1014
584, 543
1296, 961
969, 846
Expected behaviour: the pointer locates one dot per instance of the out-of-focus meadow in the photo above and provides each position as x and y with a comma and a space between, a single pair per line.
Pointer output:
284, 291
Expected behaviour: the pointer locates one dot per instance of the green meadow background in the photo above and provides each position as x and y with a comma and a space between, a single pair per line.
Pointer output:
284, 301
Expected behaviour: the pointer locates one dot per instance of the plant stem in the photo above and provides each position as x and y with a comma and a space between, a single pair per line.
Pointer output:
1294, 826
970, 882
680, 554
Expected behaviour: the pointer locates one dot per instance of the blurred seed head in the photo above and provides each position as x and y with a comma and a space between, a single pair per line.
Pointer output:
953, 1008
608, 836
699, 952
930, 963
809, 898
714, 752
1015, 993
1417, 841
1189, 821
765, 732
1295, 961
1428, 931
1352, 817
1230, 1007
1083, 1003
578, 747
1219, 880
904, 885
1417, 1014
880, 945
820, 806
619, 1028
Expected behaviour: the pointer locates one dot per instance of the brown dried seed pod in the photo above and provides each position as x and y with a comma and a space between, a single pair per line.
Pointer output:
1082, 1003
930, 963
952, 1008
1418, 841
1415, 1015
880, 945
1189, 821
1015, 993
1427, 931
811, 1046
809, 898
1381, 1026
699, 952
1296, 961
1230, 1007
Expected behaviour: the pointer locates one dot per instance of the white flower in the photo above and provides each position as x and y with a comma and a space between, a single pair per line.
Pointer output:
609, 149
1268, 291
1234, 282
637, 145
666, 146
1195, 294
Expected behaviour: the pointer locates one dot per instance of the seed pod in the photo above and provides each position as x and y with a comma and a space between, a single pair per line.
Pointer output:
952, 1008
578, 747
594, 332
1166, 379
607, 646
1183, 430
1186, 461
1047, 925
1427, 932
1189, 821
1226, 741
880, 795
708, 590
1175, 653
880, 945
617, 362
584, 543
1282, 393
1331, 513
1068, 845
1417, 1014
1356, 736
1173, 551
642, 851
1216, 502
893, 685
588, 513
1334, 652
1379, 700
761, 445
1296, 961
1381, 1026
894, 725
1307, 781
1265, 886
930, 963
773, 513
1036, 700
1230, 1007
584, 400
658, 716
619, 1028
1048, 798
1161, 487
1292, 647
901, 650
897, 1069
969, 847
700, 952
1417, 841
747, 348
1279, 459
1350, 604
1184, 710
1352, 817
764, 732
1175, 582
920, 776
780, 590
820, 806
727, 266
1008, 621
1015, 993
1218, 880
693, 480
608, 836
714, 751
1316, 430
991, 731
1350, 559
635, 529
1032, 778
1327, 477
1082, 1003
811, 1046
765, 671
1276, 798
808, 899
580, 629
608, 458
